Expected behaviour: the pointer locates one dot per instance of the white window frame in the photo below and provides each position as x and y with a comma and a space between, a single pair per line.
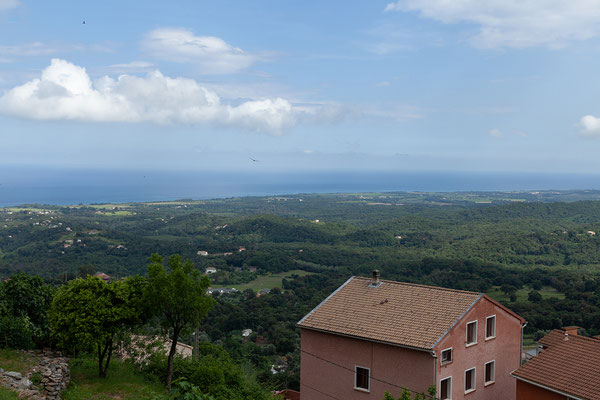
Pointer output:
368, 389
451, 356
467, 334
486, 322
467, 391
449, 379
493, 362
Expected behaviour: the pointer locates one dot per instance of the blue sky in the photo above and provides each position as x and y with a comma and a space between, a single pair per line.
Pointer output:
495, 85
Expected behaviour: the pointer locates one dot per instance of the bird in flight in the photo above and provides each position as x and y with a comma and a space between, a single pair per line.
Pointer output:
83, 22
253, 160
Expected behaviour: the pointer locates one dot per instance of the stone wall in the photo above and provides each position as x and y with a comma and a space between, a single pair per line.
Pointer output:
50, 377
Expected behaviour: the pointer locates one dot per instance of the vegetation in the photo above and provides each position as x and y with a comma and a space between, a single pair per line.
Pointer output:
123, 381
178, 297
536, 253
16, 360
88, 314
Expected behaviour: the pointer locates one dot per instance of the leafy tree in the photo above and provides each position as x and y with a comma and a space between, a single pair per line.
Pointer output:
178, 297
534, 296
89, 314
406, 394
26, 299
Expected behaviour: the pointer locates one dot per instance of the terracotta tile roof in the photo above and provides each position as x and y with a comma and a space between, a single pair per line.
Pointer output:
569, 366
555, 336
404, 314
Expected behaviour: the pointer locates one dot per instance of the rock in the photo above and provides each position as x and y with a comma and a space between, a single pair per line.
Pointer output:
14, 375
23, 384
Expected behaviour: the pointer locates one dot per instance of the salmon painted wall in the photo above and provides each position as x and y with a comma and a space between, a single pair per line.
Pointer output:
504, 349
526, 391
411, 368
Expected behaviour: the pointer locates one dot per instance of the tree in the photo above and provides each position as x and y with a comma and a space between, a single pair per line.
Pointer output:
24, 301
88, 314
534, 296
405, 394
178, 297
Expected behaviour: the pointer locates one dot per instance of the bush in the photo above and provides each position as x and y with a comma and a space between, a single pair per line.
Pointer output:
213, 373
16, 332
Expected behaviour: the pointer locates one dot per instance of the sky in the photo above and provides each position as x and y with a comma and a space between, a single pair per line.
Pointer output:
409, 85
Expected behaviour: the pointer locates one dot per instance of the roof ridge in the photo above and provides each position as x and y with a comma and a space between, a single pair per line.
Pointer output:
421, 285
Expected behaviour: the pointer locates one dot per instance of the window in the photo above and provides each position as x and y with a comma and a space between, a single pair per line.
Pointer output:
471, 333
446, 388
361, 378
469, 380
490, 372
490, 327
446, 356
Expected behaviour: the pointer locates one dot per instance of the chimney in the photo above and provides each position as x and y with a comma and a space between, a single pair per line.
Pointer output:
375, 280
570, 330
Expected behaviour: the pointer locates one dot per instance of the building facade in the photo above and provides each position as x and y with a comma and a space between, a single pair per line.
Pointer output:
373, 336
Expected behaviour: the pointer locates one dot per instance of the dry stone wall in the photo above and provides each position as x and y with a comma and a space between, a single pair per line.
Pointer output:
50, 377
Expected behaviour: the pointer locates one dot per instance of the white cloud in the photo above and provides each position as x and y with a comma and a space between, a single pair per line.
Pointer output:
28, 49
514, 23
65, 91
211, 54
590, 126
8, 4
496, 133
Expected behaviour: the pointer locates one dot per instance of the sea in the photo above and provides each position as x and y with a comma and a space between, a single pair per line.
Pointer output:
70, 186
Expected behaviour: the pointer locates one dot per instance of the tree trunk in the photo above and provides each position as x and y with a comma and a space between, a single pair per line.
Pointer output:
171, 355
101, 355
110, 349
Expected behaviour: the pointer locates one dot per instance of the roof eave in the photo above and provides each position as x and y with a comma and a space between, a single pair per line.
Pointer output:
427, 350
514, 314
569, 395
457, 320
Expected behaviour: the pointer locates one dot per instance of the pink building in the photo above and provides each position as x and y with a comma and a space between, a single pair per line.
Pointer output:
372, 336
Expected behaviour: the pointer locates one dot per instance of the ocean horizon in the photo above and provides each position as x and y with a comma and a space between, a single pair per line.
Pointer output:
62, 186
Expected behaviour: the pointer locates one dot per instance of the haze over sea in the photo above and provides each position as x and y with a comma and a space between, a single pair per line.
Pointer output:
23, 185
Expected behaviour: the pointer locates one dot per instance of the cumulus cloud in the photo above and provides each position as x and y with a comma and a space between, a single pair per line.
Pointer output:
211, 54
65, 91
514, 23
590, 126
8, 4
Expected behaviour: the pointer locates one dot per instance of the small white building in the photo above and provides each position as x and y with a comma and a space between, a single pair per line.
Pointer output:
202, 253
246, 332
210, 270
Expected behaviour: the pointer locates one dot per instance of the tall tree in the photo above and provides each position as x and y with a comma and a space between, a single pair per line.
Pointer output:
89, 314
178, 296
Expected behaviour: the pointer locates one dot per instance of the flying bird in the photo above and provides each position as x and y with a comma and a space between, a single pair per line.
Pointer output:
253, 159
83, 22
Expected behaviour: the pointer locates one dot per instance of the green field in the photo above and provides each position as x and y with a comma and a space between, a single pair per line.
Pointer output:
546, 292
268, 281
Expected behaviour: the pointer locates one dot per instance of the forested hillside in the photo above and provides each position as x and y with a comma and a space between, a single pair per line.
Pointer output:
538, 253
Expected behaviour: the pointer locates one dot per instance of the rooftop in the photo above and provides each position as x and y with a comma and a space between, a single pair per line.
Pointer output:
404, 314
569, 365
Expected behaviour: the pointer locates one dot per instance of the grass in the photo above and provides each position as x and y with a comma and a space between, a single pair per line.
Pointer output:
546, 292
15, 360
123, 382
268, 281
6, 394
